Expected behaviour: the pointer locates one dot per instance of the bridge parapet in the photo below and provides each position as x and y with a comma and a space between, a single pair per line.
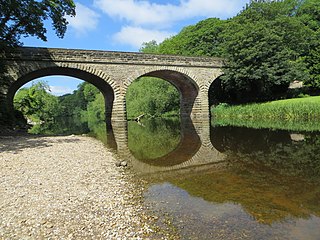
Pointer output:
109, 57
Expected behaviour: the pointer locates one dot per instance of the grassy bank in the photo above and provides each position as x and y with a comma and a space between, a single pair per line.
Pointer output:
301, 114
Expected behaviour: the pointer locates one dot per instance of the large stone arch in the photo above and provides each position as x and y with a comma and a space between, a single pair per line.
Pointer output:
184, 81
97, 78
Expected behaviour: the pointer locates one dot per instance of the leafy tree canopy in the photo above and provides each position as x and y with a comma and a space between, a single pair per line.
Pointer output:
37, 103
264, 46
26, 18
267, 45
201, 39
150, 47
153, 97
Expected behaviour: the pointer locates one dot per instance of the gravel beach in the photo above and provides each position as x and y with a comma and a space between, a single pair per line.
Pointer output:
66, 187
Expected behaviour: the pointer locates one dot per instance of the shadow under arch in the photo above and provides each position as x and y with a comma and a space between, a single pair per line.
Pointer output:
187, 88
188, 146
98, 82
215, 93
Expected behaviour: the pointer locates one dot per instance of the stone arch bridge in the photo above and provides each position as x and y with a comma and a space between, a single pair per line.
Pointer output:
112, 73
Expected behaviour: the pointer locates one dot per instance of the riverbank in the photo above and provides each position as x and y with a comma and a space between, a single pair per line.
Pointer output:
299, 114
66, 187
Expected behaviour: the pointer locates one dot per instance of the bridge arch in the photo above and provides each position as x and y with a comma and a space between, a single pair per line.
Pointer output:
181, 79
99, 80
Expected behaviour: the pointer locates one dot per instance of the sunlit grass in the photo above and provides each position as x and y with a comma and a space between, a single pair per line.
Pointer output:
301, 114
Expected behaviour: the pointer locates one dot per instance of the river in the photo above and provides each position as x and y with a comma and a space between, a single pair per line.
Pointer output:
214, 182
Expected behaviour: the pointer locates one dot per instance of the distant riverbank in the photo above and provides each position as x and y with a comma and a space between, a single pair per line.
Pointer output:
66, 187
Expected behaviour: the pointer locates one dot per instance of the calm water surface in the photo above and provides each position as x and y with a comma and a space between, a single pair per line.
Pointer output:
225, 182
265, 184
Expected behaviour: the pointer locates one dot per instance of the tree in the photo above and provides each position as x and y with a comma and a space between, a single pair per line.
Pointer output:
202, 39
260, 65
26, 18
36, 103
153, 97
309, 14
313, 65
149, 47
264, 47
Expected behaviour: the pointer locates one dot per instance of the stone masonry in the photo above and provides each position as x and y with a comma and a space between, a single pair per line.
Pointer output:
112, 73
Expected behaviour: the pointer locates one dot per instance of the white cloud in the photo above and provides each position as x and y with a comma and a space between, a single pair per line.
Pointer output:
211, 8
135, 36
145, 13
60, 90
85, 20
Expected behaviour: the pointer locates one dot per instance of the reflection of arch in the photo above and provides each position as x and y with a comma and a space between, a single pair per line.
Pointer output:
195, 148
184, 83
105, 87
111, 140
188, 146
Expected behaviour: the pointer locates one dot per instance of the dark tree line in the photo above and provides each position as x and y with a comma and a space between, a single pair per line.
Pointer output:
266, 46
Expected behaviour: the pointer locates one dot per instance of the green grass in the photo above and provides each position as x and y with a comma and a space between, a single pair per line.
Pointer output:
291, 114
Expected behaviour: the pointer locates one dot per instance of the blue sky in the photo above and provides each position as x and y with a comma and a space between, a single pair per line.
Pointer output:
123, 25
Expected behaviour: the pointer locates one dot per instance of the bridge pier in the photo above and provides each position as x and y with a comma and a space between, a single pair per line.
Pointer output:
119, 113
6, 116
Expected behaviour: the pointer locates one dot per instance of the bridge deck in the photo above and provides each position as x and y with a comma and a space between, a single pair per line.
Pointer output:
109, 57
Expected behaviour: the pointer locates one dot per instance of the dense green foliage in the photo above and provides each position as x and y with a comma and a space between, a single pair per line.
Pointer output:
266, 46
309, 14
36, 103
201, 39
26, 18
263, 45
49, 112
294, 114
150, 47
152, 97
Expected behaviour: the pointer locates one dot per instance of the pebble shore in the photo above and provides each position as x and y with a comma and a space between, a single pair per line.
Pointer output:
66, 187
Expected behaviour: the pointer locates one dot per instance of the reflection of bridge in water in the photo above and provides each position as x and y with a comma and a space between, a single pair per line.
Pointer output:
259, 169
194, 149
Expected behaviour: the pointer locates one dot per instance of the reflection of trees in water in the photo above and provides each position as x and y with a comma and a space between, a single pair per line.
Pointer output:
272, 176
271, 149
61, 125
267, 196
154, 138
163, 142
